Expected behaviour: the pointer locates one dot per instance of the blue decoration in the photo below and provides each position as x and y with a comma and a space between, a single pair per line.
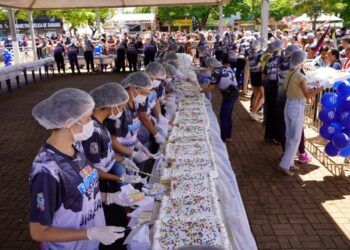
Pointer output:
327, 116
330, 100
343, 88
345, 152
340, 140
336, 84
344, 119
331, 150
7, 57
327, 131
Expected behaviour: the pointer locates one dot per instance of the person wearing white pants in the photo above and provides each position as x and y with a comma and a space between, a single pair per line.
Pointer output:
296, 91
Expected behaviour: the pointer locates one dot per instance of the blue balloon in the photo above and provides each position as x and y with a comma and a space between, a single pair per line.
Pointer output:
330, 100
345, 152
340, 140
344, 119
343, 88
336, 85
331, 150
327, 116
345, 104
327, 131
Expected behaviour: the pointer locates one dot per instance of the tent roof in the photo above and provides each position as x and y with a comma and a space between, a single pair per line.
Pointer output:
133, 18
68, 4
322, 18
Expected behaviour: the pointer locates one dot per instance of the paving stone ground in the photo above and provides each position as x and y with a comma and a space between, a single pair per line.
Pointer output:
308, 211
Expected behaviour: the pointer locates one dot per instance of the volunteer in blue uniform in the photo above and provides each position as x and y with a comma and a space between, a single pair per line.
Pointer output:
131, 54
121, 54
218, 48
66, 207
158, 75
124, 130
110, 101
89, 55
270, 74
224, 78
58, 53
150, 51
73, 58
253, 57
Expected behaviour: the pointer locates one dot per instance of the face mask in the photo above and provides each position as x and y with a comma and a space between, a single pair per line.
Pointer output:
155, 83
117, 116
139, 99
86, 133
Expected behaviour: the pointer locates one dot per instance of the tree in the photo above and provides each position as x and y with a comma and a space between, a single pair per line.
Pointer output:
314, 8
281, 8
104, 14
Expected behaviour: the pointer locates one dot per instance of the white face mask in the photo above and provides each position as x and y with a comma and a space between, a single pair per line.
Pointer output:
155, 83
117, 116
139, 99
86, 133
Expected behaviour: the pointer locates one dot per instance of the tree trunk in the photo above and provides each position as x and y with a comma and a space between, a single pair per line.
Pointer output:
204, 21
314, 23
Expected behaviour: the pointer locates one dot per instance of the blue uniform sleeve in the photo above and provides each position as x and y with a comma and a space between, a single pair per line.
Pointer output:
45, 199
92, 148
110, 125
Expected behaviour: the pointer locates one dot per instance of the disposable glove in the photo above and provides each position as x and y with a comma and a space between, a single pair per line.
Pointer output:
139, 156
106, 235
130, 165
142, 148
159, 138
131, 179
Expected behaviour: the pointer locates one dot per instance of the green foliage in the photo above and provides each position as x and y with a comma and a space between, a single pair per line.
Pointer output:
281, 8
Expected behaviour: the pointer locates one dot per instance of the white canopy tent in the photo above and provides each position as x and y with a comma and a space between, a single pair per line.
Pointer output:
138, 18
304, 18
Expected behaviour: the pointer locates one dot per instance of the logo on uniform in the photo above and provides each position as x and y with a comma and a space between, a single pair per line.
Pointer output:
118, 123
40, 202
93, 148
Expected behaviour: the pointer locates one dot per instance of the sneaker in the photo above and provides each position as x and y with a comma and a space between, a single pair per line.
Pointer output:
304, 158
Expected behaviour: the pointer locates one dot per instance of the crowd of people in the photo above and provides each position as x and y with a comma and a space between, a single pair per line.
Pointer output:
100, 140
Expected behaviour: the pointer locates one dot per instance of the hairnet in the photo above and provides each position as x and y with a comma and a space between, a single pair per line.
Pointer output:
170, 56
63, 108
170, 70
155, 70
290, 49
174, 63
211, 61
109, 95
137, 79
310, 36
201, 36
297, 58
254, 43
276, 45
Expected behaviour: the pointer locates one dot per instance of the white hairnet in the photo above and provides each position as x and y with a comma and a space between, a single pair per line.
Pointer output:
156, 70
109, 94
170, 56
170, 70
276, 45
297, 58
254, 44
63, 108
290, 49
211, 61
137, 79
174, 63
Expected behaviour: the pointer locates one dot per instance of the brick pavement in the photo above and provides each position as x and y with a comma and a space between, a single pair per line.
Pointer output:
309, 211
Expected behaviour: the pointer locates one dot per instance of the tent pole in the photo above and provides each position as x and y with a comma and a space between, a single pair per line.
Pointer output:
265, 5
32, 34
221, 21
15, 46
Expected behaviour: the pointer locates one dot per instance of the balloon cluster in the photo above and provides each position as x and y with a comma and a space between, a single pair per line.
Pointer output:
98, 49
335, 115
8, 57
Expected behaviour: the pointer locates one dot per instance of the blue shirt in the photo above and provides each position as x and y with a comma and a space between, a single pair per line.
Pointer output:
65, 194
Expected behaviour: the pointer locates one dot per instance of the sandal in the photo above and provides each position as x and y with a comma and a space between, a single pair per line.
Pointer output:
286, 171
294, 168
